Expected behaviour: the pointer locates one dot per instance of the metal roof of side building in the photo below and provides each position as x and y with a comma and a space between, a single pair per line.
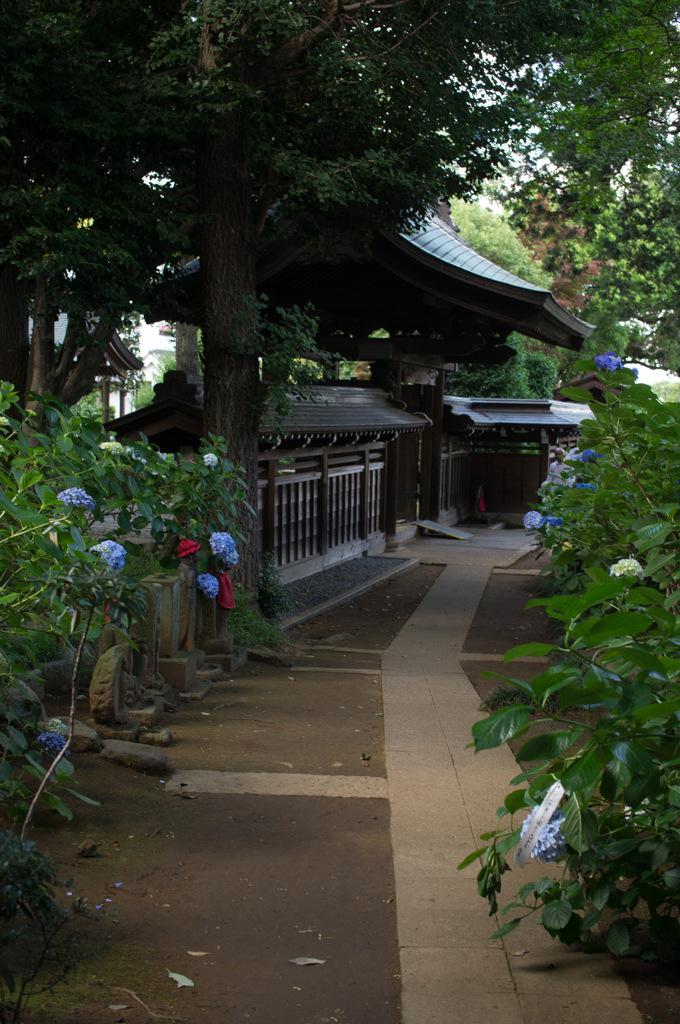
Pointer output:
527, 412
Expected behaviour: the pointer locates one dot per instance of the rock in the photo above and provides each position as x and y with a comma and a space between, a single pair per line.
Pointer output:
135, 755
128, 732
109, 686
210, 673
23, 698
268, 657
156, 737
338, 638
148, 716
85, 740
57, 675
199, 693
88, 848
34, 680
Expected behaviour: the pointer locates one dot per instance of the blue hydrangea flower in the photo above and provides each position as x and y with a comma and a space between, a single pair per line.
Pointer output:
551, 521
112, 553
532, 520
551, 845
208, 584
222, 544
53, 743
76, 496
588, 487
210, 460
609, 361
588, 455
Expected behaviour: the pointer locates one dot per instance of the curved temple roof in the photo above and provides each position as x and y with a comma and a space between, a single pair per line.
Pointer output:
429, 288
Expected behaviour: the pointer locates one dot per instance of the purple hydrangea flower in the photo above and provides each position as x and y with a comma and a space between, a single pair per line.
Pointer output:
551, 845
532, 520
609, 361
222, 544
207, 584
112, 553
53, 743
77, 497
589, 487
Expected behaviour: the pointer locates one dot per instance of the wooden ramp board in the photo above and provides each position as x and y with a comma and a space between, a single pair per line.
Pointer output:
448, 531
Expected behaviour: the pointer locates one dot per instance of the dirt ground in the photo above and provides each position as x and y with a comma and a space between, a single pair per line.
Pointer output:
502, 620
315, 874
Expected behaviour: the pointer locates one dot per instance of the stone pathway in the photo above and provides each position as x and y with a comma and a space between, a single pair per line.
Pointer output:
443, 797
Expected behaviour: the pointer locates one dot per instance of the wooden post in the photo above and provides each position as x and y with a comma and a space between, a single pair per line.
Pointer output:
271, 504
545, 455
365, 494
323, 506
106, 400
121, 398
437, 417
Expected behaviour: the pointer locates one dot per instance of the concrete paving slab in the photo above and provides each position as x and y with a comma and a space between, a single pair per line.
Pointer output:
442, 797
275, 784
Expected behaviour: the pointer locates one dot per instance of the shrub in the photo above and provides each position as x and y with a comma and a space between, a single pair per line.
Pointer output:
272, 596
611, 780
38, 948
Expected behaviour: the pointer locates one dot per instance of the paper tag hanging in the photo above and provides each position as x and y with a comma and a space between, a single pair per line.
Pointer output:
540, 819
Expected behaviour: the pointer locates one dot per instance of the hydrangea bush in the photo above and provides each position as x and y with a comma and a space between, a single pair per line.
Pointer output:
56, 484
613, 743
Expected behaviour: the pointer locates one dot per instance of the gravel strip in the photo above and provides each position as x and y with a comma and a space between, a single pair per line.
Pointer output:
322, 586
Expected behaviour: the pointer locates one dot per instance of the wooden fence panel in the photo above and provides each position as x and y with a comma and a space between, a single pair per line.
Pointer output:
309, 504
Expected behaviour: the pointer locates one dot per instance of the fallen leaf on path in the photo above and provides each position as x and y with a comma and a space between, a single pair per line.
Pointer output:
205, 713
187, 796
521, 952
287, 764
336, 764
181, 979
119, 1006
306, 961
192, 953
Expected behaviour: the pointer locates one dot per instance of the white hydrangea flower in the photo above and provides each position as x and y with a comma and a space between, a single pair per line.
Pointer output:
112, 446
627, 567
210, 460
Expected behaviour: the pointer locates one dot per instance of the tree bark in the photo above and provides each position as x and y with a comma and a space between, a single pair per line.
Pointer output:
14, 343
228, 255
186, 348
40, 376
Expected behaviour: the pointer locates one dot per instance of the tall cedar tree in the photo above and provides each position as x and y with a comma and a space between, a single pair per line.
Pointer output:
317, 119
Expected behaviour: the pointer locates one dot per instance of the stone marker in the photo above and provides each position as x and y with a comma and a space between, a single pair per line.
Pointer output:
150, 715
135, 755
128, 731
108, 688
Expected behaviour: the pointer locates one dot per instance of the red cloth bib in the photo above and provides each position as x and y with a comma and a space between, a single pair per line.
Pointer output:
225, 595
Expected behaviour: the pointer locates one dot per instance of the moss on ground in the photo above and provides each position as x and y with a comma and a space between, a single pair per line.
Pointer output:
95, 982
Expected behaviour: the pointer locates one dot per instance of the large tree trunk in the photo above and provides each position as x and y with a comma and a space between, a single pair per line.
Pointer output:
186, 348
41, 368
228, 256
14, 343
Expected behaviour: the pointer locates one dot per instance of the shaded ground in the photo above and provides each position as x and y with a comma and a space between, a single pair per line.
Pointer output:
538, 559
375, 618
252, 881
502, 620
655, 989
